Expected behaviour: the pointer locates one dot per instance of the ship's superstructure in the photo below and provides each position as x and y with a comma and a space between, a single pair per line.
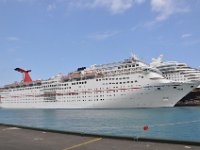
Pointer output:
180, 72
176, 71
126, 84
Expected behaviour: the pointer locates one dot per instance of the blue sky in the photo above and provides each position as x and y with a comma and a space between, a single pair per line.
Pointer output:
57, 36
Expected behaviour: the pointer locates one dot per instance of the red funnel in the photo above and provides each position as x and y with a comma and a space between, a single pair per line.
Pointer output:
26, 76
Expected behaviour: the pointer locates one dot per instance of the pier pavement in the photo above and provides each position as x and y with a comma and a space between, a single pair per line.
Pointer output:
17, 138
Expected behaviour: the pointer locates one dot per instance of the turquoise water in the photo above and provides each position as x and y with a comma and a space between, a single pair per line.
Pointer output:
179, 123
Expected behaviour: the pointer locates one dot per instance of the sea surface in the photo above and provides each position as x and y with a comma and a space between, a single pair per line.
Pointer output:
179, 123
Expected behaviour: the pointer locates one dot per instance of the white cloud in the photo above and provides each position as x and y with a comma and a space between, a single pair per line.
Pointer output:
12, 39
136, 27
186, 35
51, 7
114, 6
166, 8
103, 36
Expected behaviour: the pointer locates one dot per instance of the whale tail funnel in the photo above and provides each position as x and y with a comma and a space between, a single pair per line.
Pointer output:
26, 76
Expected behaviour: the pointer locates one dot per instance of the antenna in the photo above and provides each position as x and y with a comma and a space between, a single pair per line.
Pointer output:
26, 76
134, 56
158, 60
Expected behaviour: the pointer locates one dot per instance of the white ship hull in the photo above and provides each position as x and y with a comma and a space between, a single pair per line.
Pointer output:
158, 95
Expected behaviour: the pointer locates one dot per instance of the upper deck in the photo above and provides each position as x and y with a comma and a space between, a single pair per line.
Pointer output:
128, 66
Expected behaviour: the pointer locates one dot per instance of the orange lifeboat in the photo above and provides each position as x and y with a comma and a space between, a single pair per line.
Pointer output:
89, 74
66, 78
75, 76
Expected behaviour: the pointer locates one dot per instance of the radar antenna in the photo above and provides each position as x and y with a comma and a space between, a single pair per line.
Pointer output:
157, 61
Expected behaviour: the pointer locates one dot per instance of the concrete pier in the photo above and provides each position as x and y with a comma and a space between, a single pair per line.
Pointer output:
25, 138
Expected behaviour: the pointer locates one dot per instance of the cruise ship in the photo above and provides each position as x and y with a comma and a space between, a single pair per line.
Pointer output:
179, 72
126, 84
176, 71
